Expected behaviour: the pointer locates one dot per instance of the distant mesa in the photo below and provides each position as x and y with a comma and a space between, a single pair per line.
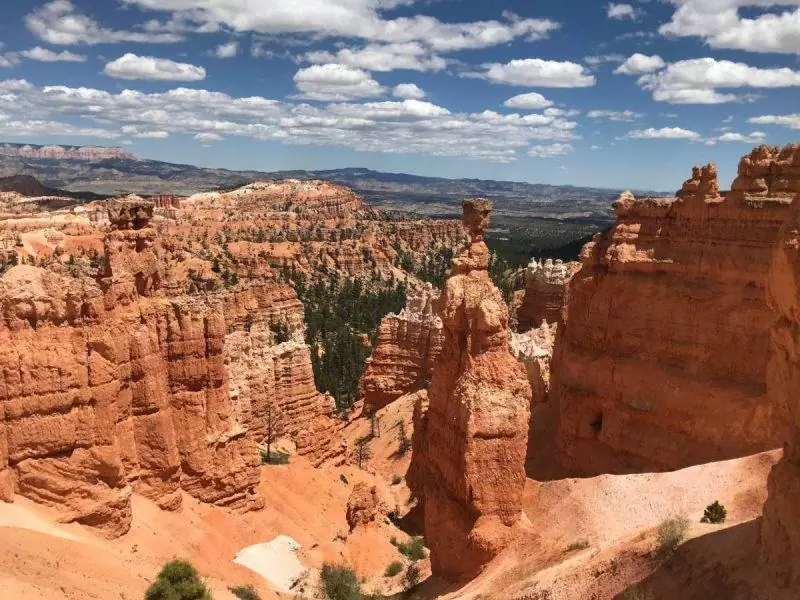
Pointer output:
87, 153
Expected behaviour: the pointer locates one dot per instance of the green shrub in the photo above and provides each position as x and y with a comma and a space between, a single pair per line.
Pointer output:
178, 580
415, 549
574, 546
339, 582
635, 593
245, 592
393, 569
274, 458
714, 513
671, 533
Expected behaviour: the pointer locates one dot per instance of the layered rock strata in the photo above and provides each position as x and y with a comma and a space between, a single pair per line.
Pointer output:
469, 446
407, 349
780, 531
661, 362
545, 292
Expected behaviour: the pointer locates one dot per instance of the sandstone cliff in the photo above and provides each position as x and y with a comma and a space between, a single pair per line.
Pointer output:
661, 362
407, 349
545, 292
780, 532
469, 446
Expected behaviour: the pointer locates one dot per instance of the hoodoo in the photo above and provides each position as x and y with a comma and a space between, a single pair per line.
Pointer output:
469, 445
661, 362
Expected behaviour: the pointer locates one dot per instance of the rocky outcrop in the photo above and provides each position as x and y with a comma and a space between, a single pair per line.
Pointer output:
407, 349
364, 506
534, 349
469, 446
661, 362
545, 292
88, 153
780, 531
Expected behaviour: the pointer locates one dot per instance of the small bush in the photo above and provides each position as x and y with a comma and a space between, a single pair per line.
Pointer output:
274, 458
671, 533
714, 513
393, 569
178, 580
636, 593
397, 480
339, 582
245, 592
412, 576
415, 550
575, 546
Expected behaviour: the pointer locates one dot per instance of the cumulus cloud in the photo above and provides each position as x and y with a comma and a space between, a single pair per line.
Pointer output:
43, 55
335, 82
756, 137
407, 126
720, 24
130, 66
695, 81
530, 101
228, 50
383, 57
599, 59
208, 137
639, 64
621, 11
360, 19
792, 121
550, 150
614, 115
138, 132
666, 133
59, 22
8, 60
536, 72
408, 91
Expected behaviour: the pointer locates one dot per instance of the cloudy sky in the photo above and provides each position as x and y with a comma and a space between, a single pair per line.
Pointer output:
574, 92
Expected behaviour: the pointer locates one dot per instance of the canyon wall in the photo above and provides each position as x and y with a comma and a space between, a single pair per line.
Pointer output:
469, 445
545, 292
406, 351
780, 531
661, 361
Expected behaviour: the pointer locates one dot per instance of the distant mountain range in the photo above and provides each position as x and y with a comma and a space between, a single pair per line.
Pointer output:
112, 171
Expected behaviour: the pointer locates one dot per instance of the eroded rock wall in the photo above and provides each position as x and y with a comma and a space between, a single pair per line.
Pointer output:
661, 362
545, 292
469, 446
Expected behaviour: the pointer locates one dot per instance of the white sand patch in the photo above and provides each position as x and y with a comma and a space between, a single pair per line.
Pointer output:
275, 561
23, 517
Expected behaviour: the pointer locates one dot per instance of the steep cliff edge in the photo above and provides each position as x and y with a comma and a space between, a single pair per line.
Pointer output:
407, 349
545, 292
469, 445
780, 531
661, 362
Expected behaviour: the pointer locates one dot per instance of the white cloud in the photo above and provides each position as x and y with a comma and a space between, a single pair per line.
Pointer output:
131, 66
621, 11
535, 72
408, 126
408, 91
383, 57
335, 82
550, 150
792, 121
602, 58
595, 147
361, 19
639, 64
59, 22
228, 50
720, 25
8, 60
137, 132
530, 101
756, 137
43, 55
695, 81
208, 137
666, 133
614, 115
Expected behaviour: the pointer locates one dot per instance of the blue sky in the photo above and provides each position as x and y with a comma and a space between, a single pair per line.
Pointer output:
627, 94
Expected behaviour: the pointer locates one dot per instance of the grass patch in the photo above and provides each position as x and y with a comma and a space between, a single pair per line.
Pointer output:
393, 569
671, 533
575, 546
415, 549
275, 457
245, 592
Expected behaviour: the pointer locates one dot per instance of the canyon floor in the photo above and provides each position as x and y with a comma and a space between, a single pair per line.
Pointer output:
610, 519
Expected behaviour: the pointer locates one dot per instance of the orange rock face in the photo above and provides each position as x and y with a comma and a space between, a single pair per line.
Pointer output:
661, 362
469, 446
364, 506
545, 292
407, 349
780, 532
